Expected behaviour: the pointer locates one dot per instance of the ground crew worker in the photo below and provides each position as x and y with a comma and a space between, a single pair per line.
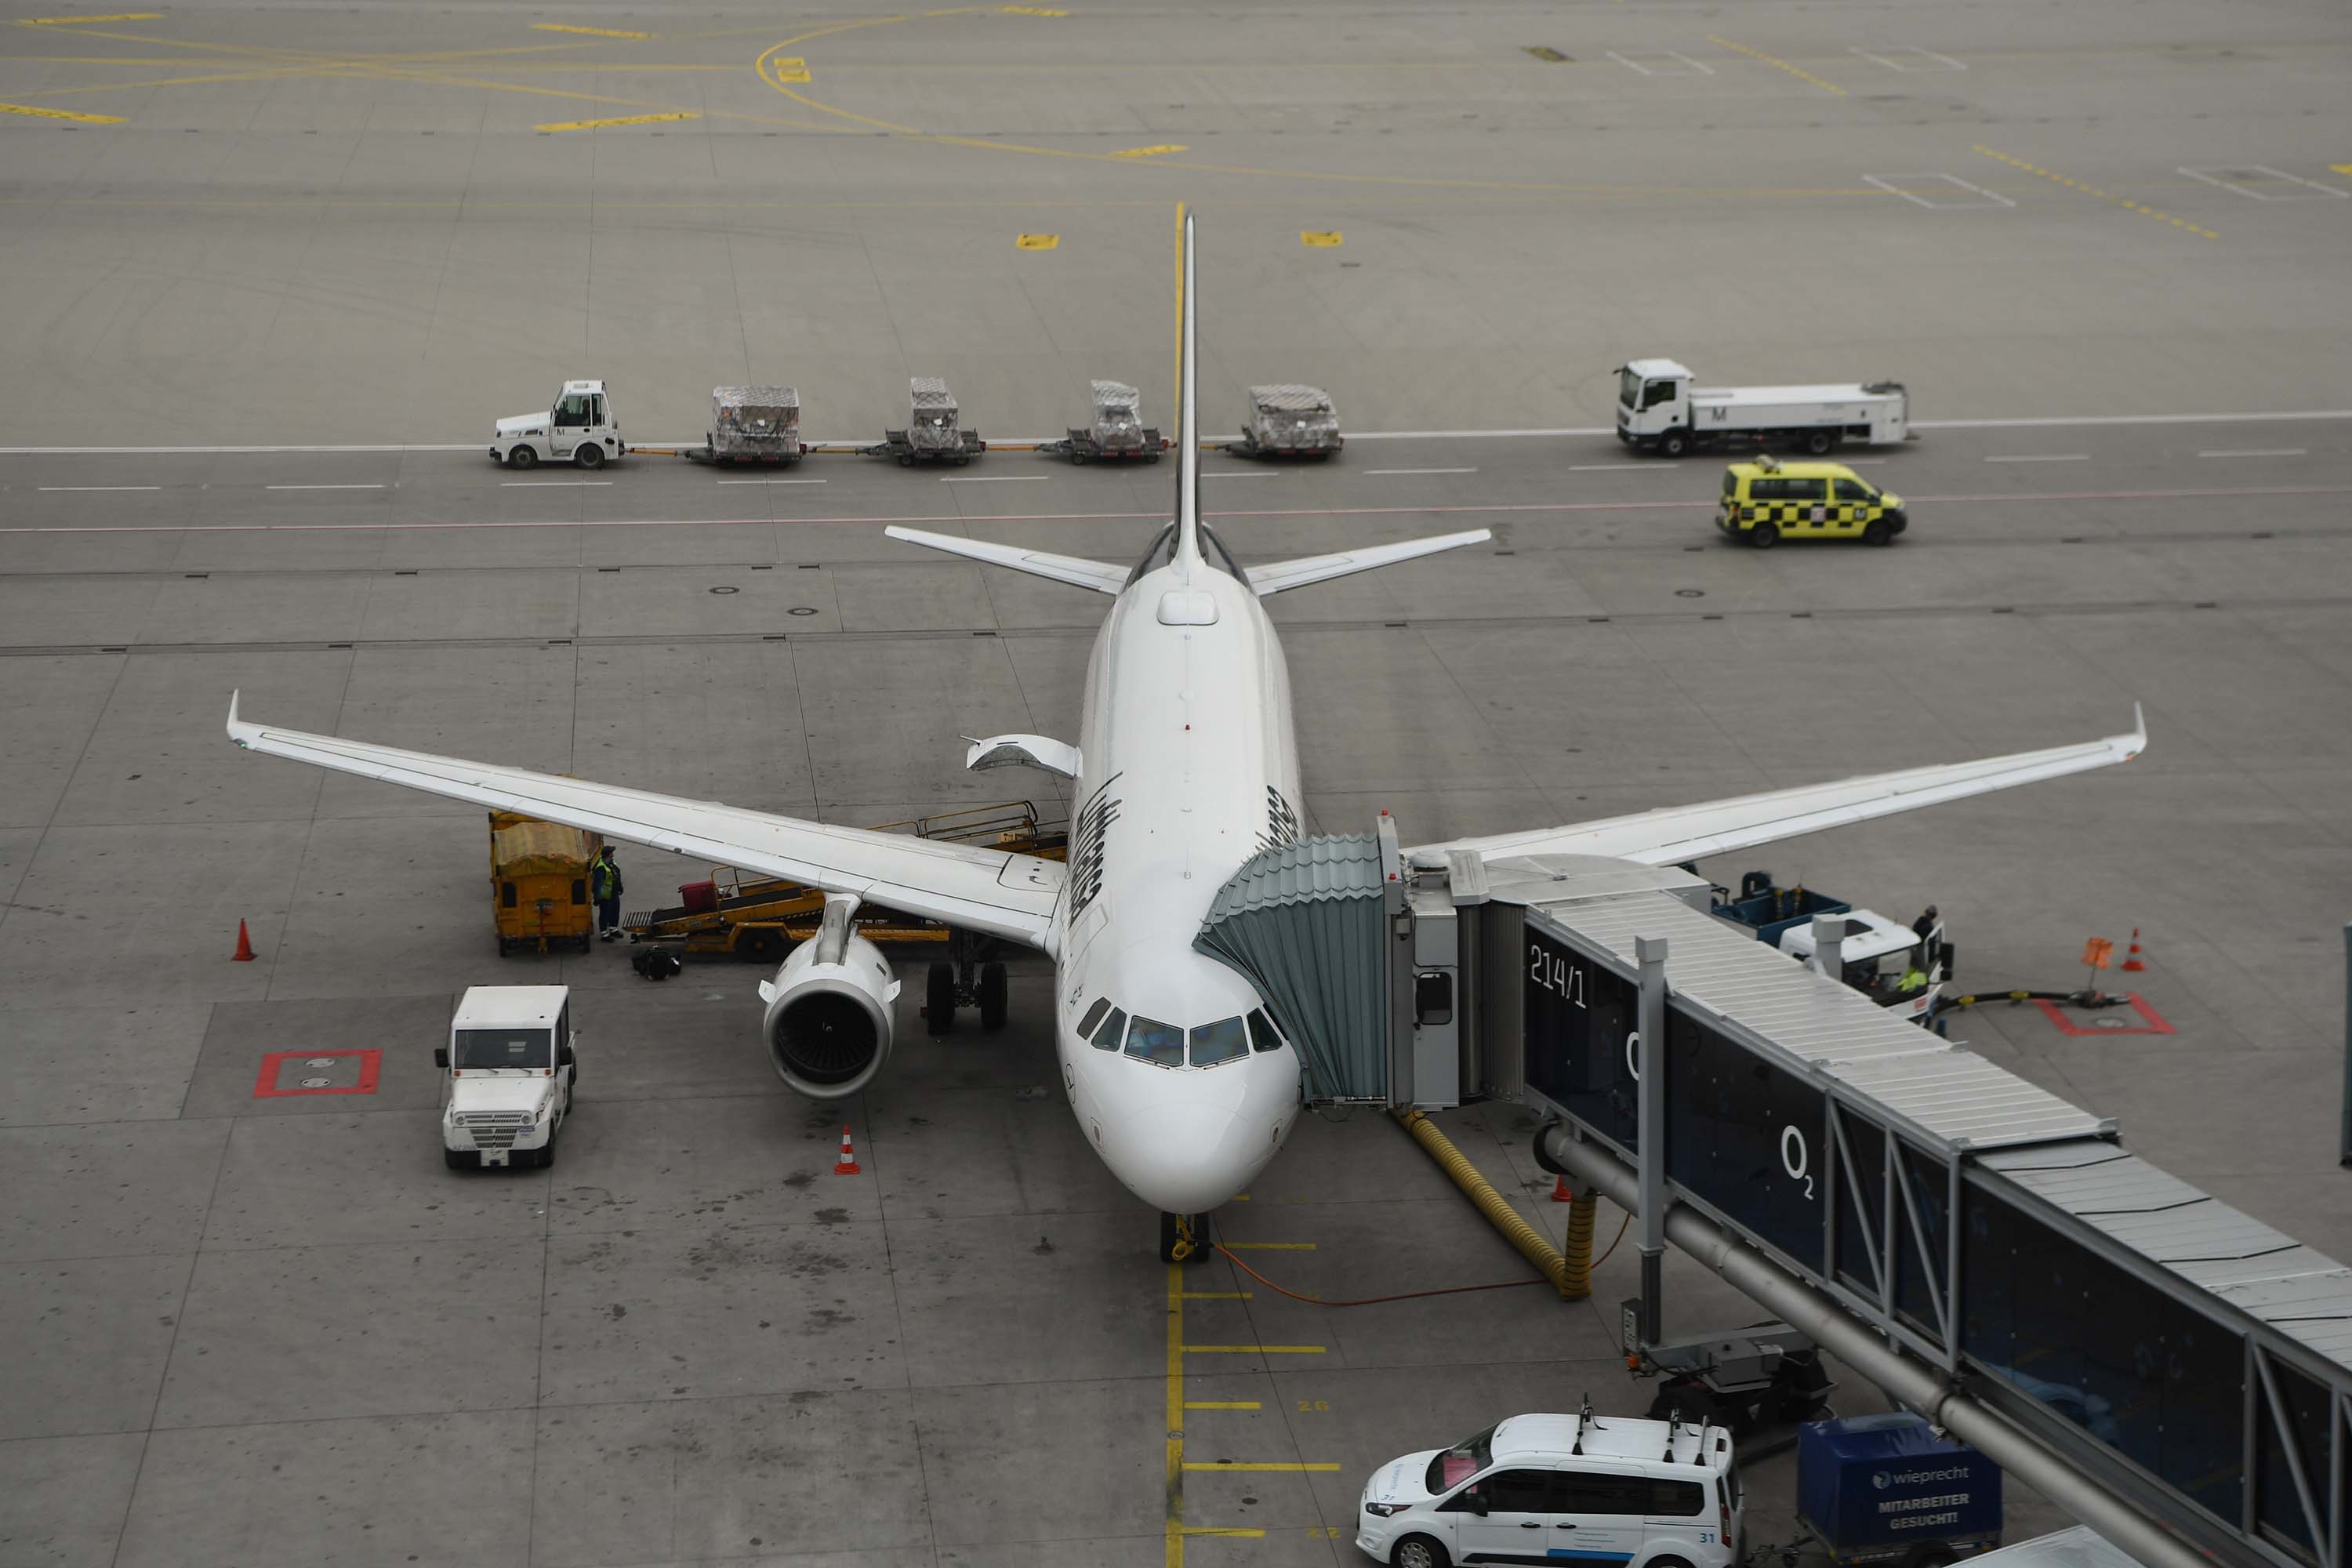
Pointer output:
605, 882
1924, 923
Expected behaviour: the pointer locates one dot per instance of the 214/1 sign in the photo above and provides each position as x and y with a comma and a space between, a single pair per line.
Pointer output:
1551, 971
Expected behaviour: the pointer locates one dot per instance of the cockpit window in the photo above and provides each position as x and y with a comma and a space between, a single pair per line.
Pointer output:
1162, 1044
1223, 1041
1094, 1015
1107, 1038
1262, 1036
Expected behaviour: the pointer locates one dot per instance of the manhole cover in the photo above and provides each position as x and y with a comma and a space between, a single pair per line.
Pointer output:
802, 610
317, 1083
319, 1062
2107, 1021
723, 588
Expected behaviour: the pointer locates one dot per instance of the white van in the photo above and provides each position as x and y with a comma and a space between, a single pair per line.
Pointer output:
1583, 1488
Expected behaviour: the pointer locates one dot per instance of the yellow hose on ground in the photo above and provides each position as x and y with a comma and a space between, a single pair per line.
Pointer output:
1573, 1282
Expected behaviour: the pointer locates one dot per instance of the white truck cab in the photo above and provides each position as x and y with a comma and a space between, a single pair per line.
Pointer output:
1616, 1491
580, 429
507, 1074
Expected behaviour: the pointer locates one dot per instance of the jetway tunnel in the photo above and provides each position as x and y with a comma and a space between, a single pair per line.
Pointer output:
2171, 1369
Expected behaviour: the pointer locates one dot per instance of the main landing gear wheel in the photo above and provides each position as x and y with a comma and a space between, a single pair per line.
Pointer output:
1184, 1237
940, 999
522, 457
992, 996
589, 455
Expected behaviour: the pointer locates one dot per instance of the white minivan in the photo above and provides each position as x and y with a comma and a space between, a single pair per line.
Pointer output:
1582, 1489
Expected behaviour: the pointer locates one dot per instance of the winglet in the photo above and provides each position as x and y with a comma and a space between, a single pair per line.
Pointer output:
233, 725
2139, 737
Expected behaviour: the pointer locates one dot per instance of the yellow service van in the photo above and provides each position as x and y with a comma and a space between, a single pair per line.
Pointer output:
1766, 501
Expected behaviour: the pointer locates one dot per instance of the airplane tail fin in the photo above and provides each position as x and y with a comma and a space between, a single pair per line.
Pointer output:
1187, 420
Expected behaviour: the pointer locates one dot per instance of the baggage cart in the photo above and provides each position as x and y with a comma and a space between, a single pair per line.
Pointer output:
539, 884
752, 425
1290, 420
1886, 1489
1116, 434
933, 432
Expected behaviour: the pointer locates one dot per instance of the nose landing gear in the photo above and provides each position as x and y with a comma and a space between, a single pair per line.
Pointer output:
1184, 1237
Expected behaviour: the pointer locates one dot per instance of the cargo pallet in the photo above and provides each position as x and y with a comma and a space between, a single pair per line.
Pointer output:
1082, 447
895, 444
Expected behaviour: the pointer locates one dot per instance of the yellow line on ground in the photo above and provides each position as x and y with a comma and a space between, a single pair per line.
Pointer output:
1799, 71
1231, 1531
1268, 1245
1241, 1465
71, 21
2090, 190
1155, 152
26, 109
1253, 1350
1222, 1405
1174, 1483
625, 119
592, 32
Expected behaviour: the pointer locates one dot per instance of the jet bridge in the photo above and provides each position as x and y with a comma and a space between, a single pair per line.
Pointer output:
2105, 1318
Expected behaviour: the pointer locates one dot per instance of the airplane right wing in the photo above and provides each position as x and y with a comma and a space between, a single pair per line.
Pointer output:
992, 890
1077, 571
1276, 577
1674, 834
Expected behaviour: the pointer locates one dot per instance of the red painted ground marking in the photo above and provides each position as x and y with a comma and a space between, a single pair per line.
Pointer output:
2152, 1022
266, 1086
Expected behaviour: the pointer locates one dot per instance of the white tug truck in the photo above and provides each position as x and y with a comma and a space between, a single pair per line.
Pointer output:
507, 1072
581, 428
1660, 410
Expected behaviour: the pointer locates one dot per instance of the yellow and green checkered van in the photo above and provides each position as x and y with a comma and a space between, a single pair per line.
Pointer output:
1767, 501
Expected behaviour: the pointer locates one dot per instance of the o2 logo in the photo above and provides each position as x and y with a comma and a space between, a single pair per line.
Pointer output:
1795, 1158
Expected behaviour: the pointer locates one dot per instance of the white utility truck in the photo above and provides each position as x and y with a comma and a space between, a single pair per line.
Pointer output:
580, 429
508, 1070
1660, 410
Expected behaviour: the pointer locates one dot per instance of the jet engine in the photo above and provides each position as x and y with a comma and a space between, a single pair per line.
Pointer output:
827, 1027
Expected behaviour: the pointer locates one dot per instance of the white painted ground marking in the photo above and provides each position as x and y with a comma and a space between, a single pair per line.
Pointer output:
2045, 457
1612, 467
1922, 189
1635, 58
1863, 462
322, 487
552, 484
1371, 471
2246, 180
2259, 452
1908, 58
992, 479
1239, 474
772, 481
78, 489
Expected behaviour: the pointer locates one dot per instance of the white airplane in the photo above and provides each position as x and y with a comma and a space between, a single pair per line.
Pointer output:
1186, 766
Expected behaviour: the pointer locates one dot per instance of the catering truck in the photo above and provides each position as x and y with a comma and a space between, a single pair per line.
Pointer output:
1660, 409
507, 1072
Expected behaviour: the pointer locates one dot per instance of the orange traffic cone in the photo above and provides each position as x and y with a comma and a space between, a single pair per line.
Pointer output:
847, 1165
2131, 958
244, 954
1559, 1193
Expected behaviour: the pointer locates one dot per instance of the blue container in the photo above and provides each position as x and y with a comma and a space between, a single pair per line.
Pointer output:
1879, 1488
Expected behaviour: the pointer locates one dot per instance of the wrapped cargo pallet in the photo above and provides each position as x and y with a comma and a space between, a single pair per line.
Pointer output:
1118, 417
931, 427
758, 422
1290, 418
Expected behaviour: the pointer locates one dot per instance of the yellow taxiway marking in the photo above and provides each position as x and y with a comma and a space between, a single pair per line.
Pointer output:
2090, 190
625, 119
592, 32
1173, 1484
1267, 1246
1321, 238
2340, 168
1247, 1465
781, 69
1037, 241
1798, 71
1222, 1404
61, 114
1029, 11
1253, 1350
73, 21
1158, 152
1234, 1532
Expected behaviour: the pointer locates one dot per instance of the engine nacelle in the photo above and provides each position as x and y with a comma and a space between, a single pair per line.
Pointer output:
827, 1027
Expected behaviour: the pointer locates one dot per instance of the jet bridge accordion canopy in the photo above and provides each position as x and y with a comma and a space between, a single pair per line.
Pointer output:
1302, 923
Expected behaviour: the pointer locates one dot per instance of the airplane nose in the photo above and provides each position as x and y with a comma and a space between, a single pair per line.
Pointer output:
1185, 1158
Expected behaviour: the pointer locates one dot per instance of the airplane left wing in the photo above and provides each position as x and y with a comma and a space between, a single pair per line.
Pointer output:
1077, 571
1278, 575
1675, 834
1007, 895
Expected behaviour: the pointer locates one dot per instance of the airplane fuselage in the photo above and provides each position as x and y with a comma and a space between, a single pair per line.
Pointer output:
1189, 767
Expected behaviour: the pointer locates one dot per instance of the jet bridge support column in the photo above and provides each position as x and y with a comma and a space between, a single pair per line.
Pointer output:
1650, 1016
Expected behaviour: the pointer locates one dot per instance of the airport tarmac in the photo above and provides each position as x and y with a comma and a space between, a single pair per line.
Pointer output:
274, 1330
